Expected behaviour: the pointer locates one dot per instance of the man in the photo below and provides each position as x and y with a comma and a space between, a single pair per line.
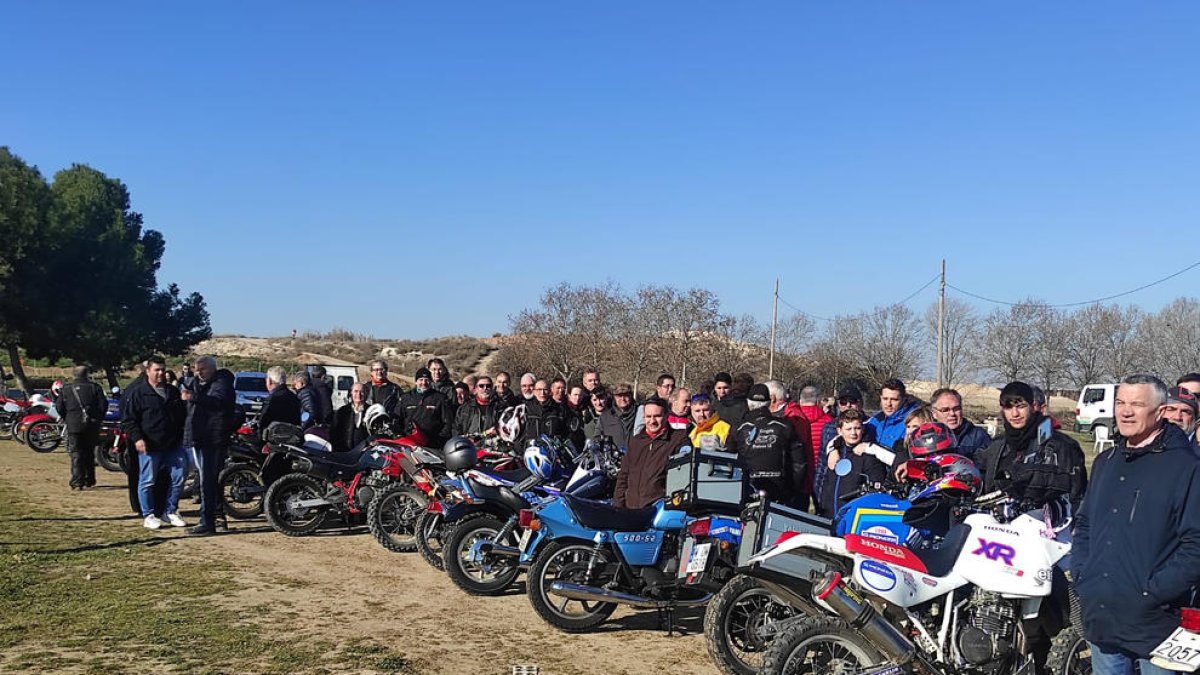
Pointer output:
558, 391
186, 376
152, 416
1180, 410
591, 381
598, 402
349, 428
309, 402
894, 406
809, 408
441, 378
948, 409
82, 406
617, 422
479, 414
731, 400
679, 416
642, 479
849, 397
772, 454
1135, 559
281, 404
663, 388
382, 390
528, 380
504, 393
709, 431
544, 416
323, 388
427, 409
1191, 382
210, 404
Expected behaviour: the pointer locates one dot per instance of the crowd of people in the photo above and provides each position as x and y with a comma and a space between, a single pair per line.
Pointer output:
1136, 534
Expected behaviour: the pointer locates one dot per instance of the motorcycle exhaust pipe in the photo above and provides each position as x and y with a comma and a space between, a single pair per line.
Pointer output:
862, 616
492, 548
593, 594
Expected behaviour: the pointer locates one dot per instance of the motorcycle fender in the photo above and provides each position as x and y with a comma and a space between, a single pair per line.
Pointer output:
1030, 607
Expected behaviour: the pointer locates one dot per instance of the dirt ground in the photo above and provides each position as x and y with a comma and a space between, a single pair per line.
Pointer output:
342, 586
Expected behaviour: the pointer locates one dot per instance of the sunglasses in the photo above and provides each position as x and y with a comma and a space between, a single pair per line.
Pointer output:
848, 401
484, 386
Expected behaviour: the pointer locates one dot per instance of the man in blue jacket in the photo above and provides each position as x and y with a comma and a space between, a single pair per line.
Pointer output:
894, 406
1136, 554
948, 409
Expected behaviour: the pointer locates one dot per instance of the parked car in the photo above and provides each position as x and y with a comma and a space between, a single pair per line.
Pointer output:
251, 389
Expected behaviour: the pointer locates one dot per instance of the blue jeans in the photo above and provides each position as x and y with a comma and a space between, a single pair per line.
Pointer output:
150, 465
1120, 663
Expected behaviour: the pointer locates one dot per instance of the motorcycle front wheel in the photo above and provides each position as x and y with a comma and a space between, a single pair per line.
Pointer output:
471, 571
108, 456
392, 517
1070, 654
431, 532
44, 436
822, 646
734, 622
283, 511
567, 562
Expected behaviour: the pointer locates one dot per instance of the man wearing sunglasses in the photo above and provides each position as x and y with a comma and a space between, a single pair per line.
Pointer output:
480, 413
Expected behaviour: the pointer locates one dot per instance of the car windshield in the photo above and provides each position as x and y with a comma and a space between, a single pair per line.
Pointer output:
251, 384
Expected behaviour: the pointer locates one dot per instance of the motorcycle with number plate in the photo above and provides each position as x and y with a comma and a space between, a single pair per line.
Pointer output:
1180, 652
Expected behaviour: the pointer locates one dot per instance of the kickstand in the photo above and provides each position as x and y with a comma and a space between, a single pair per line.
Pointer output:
667, 615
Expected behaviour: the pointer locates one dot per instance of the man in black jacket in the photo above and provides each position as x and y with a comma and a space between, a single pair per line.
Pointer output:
544, 416
348, 425
309, 401
281, 404
427, 409
82, 405
441, 379
1136, 555
772, 456
731, 397
504, 392
478, 415
210, 402
153, 415
380, 389
323, 388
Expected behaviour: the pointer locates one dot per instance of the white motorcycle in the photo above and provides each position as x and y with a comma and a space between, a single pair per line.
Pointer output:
1181, 650
949, 610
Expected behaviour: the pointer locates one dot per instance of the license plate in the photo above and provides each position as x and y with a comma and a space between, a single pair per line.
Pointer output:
525, 536
698, 560
1180, 652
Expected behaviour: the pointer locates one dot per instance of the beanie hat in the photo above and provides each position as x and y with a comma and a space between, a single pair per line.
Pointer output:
423, 372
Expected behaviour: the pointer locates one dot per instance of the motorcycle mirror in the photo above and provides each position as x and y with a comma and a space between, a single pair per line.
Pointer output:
304, 417
843, 467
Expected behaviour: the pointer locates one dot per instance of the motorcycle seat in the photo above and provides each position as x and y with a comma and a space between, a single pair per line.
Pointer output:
940, 560
937, 561
513, 476
602, 516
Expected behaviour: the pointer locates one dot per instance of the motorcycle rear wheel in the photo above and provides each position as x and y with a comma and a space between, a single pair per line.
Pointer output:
392, 517
821, 646
242, 491
732, 624
8, 429
1070, 654
43, 436
295, 521
471, 575
431, 533
566, 562
109, 457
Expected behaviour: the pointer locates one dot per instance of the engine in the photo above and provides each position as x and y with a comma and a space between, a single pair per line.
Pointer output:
987, 628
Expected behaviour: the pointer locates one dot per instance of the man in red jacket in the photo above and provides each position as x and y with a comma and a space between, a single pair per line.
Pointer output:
809, 407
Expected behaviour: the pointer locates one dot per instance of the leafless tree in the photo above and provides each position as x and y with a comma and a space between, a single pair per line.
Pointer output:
1172, 339
958, 342
883, 343
1008, 338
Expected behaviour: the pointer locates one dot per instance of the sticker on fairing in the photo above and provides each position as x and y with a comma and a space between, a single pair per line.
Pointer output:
877, 575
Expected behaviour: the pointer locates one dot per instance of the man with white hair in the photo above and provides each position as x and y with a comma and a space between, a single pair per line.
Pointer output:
210, 402
281, 404
528, 380
772, 454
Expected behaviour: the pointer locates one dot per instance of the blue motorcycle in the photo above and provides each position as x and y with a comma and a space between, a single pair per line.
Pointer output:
589, 556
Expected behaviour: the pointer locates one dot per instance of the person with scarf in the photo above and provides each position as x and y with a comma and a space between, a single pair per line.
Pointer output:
479, 414
427, 409
349, 428
380, 389
708, 429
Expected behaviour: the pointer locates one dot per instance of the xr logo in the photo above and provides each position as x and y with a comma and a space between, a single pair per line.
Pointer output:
995, 551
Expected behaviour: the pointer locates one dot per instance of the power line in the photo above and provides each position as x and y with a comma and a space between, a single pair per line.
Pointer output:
1086, 302
910, 296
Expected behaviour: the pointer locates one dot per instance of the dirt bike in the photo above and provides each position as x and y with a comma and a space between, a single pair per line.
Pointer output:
11, 412
949, 609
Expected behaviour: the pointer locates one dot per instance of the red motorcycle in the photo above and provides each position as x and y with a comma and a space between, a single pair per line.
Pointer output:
42, 429
11, 412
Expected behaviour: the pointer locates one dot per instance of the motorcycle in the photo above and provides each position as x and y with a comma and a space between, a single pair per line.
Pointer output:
392, 516
11, 412
240, 483
42, 428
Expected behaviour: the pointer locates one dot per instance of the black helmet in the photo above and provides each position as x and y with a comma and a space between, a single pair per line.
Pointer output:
460, 454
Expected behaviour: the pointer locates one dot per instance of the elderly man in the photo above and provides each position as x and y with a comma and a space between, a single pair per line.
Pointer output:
152, 416
82, 405
349, 427
1180, 410
427, 409
678, 416
948, 409
210, 404
382, 390
528, 381
1136, 556
281, 404
543, 415
479, 414
617, 421
642, 479
894, 406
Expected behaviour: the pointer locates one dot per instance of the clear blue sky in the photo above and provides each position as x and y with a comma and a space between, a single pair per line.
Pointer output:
418, 169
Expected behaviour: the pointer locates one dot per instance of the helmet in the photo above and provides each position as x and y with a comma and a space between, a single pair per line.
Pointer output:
511, 423
931, 438
37, 399
951, 475
460, 454
317, 438
375, 418
57, 387
541, 460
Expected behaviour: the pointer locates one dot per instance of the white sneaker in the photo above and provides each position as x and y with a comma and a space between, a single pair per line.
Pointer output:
175, 520
152, 522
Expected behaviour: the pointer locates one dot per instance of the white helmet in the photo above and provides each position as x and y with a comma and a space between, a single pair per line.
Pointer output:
374, 418
511, 423
38, 399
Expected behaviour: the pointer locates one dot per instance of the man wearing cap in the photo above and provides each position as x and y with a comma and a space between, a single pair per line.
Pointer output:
617, 420
1180, 410
643, 476
948, 409
427, 409
771, 453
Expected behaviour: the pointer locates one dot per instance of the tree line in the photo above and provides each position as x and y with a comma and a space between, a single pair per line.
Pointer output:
78, 274
633, 335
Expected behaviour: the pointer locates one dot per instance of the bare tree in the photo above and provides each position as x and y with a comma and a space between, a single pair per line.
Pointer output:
884, 343
1007, 339
1172, 339
959, 342
1103, 344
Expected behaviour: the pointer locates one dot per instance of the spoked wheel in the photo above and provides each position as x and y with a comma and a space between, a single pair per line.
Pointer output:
1070, 654
44, 436
734, 625
431, 530
567, 562
108, 456
285, 513
820, 647
241, 491
392, 517
470, 569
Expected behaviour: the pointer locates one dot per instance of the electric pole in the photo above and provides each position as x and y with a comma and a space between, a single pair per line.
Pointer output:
774, 321
941, 328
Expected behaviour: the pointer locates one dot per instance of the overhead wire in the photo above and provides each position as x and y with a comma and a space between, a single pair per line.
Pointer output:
908, 297
1085, 302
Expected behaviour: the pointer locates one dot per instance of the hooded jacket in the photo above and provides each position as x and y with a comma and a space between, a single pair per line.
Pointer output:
210, 412
1136, 549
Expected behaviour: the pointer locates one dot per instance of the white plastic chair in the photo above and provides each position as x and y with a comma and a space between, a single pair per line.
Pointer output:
1102, 439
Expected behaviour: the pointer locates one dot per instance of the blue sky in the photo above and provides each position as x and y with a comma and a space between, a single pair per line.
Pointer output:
419, 169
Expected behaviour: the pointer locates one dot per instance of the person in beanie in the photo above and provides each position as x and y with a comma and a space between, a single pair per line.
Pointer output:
1135, 560
82, 405
427, 409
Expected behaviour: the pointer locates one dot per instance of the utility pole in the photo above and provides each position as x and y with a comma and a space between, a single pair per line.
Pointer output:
774, 321
941, 348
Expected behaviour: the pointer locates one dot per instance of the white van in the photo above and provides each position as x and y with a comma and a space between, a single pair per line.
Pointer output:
343, 378
1096, 408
